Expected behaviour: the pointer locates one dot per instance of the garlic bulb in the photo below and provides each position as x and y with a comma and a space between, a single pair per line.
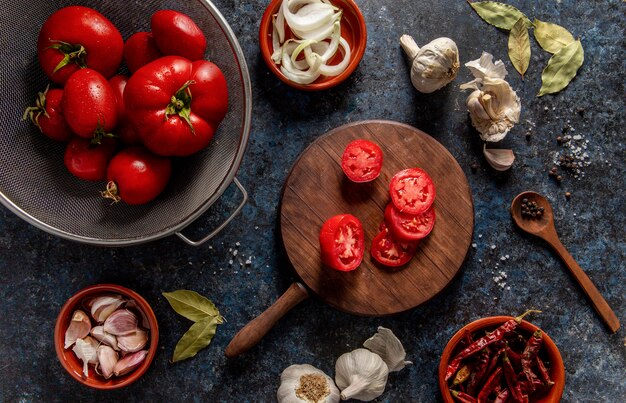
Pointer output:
434, 65
493, 105
361, 375
306, 384
389, 348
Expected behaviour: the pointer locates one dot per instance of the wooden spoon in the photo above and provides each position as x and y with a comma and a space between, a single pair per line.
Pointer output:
543, 227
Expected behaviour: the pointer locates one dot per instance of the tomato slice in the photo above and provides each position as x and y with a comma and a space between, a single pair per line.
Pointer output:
362, 161
409, 227
412, 191
391, 252
342, 242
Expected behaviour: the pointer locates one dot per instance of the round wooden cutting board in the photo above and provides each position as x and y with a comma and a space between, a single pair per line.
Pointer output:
317, 189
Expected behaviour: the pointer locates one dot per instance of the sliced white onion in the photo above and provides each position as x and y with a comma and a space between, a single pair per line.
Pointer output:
316, 25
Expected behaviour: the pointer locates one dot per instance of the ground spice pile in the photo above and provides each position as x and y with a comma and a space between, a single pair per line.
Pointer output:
313, 388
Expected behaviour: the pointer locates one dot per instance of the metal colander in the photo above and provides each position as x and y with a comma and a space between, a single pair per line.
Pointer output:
34, 182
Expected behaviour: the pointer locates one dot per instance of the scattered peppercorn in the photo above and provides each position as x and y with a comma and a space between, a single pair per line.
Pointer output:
559, 140
568, 194
474, 167
528, 136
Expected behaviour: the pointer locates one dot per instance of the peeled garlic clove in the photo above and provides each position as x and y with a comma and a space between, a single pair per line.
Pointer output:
389, 348
86, 351
121, 323
304, 383
79, 327
129, 363
133, 342
107, 358
105, 305
99, 334
361, 374
499, 159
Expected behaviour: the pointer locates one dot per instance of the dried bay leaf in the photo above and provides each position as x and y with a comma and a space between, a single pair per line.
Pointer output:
196, 338
191, 305
499, 15
551, 37
519, 47
561, 68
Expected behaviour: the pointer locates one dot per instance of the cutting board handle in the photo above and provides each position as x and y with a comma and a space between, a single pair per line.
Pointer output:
254, 331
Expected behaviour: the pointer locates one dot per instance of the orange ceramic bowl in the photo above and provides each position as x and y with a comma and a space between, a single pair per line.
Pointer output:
352, 30
557, 370
69, 360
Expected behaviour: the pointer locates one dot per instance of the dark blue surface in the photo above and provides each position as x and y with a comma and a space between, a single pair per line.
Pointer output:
38, 272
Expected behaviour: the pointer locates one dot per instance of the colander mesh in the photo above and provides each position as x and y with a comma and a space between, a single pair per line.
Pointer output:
33, 178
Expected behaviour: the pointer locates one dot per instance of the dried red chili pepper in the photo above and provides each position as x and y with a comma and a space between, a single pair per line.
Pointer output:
462, 375
511, 379
480, 369
530, 353
463, 397
483, 342
489, 386
515, 358
502, 396
494, 360
543, 372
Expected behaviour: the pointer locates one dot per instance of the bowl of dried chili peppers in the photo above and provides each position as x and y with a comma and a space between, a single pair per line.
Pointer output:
501, 359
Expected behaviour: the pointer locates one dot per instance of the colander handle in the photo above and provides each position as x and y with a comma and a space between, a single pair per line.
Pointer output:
222, 225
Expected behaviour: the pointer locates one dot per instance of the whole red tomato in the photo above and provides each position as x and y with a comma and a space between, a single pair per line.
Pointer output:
176, 34
75, 37
124, 130
87, 160
47, 115
136, 176
89, 104
176, 105
139, 50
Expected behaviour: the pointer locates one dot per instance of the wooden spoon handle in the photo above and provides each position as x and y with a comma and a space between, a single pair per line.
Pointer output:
598, 302
254, 331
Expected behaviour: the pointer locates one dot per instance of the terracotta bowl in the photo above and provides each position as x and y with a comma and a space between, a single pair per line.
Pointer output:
353, 30
69, 360
557, 370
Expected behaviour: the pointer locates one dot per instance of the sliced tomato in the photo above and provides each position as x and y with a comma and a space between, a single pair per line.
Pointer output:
362, 161
412, 191
342, 242
390, 252
409, 227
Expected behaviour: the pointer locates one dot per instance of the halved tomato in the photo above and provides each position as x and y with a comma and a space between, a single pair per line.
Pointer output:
342, 242
362, 161
412, 191
391, 252
409, 227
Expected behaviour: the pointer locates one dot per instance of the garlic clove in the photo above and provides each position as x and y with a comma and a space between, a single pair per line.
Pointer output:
107, 358
389, 348
499, 159
121, 323
361, 374
129, 363
134, 306
79, 327
304, 383
105, 305
133, 342
99, 334
86, 351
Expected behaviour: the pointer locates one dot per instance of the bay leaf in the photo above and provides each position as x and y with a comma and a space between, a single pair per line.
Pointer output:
519, 47
196, 338
191, 305
499, 15
561, 68
551, 37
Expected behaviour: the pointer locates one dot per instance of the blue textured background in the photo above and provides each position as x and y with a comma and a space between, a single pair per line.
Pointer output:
39, 272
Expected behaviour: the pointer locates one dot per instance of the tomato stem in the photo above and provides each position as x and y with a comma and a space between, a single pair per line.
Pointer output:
111, 192
33, 112
71, 54
180, 104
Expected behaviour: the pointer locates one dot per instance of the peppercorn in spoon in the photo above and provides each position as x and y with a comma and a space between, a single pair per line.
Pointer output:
533, 214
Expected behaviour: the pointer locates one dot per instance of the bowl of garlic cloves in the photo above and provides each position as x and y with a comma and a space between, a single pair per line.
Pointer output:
106, 336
